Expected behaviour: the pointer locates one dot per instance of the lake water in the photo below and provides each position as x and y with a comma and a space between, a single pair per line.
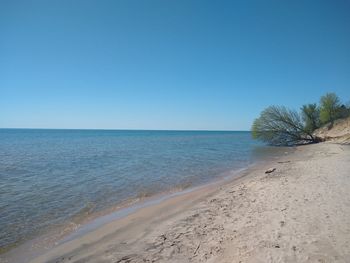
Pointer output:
50, 177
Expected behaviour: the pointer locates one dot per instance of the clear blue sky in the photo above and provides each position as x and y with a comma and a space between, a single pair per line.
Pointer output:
175, 64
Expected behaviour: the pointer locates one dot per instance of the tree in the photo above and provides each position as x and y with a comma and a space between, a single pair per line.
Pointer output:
311, 117
330, 108
343, 111
278, 125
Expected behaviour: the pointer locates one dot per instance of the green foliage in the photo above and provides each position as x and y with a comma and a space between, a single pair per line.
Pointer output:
330, 108
278, 125
311, 117
343, 111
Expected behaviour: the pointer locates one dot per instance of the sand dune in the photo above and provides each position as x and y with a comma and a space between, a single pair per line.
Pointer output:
338, 133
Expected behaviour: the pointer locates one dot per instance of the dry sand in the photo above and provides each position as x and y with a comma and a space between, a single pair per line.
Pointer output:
298, 213
338, 133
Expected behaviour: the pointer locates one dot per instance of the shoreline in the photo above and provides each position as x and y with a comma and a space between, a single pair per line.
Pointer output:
132, 206
63, 232
41, 244
299, 213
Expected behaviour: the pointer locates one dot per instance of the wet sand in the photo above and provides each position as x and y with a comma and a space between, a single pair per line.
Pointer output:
298, 213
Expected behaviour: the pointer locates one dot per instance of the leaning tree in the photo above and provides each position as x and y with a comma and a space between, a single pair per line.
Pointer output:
278, 125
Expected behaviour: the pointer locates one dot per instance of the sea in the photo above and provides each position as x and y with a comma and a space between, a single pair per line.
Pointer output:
49, 177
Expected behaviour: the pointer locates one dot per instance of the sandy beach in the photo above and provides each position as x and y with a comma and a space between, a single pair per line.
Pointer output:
298, 213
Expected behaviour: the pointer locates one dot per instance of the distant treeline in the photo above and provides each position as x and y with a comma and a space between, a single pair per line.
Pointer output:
278, 125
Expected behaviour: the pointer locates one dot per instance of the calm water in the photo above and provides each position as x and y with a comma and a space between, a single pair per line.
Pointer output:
47, 177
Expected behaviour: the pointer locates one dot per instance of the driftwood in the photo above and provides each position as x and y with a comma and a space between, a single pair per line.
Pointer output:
270, 170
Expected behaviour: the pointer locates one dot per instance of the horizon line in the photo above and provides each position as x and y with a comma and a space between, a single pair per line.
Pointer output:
123, 129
